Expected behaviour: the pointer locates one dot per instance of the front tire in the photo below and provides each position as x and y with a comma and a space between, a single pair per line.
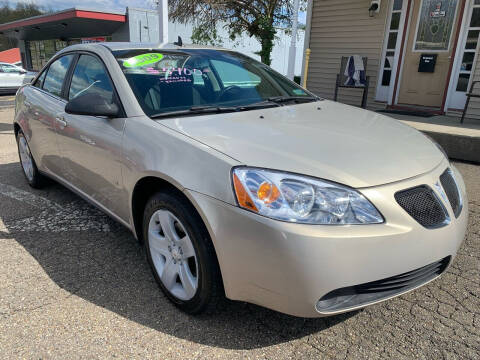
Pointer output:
29, 167
181, 254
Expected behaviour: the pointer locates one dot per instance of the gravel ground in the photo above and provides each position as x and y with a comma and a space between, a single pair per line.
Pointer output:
74, 284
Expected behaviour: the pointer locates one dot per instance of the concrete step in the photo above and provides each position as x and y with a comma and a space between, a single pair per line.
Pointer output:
460, 141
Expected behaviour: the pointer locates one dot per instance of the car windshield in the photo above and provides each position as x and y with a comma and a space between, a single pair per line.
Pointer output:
176, 81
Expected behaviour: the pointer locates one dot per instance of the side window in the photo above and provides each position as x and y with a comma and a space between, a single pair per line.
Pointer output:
90, 77
56, 74
10, 69
40, 80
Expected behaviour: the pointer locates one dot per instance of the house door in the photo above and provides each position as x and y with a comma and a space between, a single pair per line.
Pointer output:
466, 58
433, 23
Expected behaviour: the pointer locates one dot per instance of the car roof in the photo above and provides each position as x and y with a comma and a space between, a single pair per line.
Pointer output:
115, 46
138, 45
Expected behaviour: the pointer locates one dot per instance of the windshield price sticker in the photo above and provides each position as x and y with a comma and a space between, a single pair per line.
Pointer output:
142, 60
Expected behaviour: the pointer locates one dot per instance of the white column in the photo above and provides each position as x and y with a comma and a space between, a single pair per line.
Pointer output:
293, 45
163, 21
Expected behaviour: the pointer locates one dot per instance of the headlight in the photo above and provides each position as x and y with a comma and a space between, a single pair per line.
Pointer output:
301, 199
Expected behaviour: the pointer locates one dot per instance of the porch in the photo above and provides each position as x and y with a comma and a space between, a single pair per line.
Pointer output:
420, 53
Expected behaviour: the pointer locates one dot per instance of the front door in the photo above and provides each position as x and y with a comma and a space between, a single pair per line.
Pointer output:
468, 47
90, 146
433, 25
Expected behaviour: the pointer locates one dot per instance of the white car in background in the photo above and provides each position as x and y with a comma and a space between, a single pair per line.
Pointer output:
12, 77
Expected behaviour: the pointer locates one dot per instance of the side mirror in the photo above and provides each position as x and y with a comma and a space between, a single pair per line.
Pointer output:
23, 71
92, 105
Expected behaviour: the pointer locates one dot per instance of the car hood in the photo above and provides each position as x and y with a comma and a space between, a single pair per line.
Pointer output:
324, 139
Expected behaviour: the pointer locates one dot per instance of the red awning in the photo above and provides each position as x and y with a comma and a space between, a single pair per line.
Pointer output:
70, 23
10, 56
62, 15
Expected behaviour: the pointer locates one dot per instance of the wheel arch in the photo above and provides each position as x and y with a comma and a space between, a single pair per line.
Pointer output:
16, 128
146, 187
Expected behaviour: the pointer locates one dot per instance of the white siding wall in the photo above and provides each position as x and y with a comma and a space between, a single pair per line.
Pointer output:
143, 27
249, 45
343, 28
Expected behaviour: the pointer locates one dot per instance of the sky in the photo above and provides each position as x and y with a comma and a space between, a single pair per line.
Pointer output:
97, 4
108, 5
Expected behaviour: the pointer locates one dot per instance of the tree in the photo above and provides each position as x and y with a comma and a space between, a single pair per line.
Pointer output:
21, 10
258, 18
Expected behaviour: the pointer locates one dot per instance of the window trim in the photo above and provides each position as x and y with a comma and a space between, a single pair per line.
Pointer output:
38, 76
46, 70
69, 76
33, 83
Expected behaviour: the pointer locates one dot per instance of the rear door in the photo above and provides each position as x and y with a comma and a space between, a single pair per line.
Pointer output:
91, 146
44, 104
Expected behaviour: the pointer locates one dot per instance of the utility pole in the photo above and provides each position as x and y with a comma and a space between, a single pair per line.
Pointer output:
162, 21
293, 45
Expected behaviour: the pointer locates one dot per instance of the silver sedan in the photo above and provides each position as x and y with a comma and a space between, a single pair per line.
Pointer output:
239, 182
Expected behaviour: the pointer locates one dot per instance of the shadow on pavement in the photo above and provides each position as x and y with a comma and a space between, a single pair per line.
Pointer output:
108, 269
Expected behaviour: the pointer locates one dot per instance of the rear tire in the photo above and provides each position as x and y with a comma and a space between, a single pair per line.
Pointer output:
181, 254
29, 167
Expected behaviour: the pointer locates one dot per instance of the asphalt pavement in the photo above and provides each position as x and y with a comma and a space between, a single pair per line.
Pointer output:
7, 101
75, 284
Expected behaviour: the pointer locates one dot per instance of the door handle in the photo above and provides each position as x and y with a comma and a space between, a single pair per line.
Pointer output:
61, 121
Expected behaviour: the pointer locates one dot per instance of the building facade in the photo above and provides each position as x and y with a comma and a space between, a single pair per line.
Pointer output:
40, 37
422, 54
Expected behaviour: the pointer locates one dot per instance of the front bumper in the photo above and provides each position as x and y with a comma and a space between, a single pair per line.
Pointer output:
289, 267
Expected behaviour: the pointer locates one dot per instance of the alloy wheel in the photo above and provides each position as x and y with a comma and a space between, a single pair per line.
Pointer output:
26, 158
173, 254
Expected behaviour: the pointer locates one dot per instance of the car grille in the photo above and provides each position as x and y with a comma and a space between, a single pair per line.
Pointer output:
363, 294
423, 205
451, 189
